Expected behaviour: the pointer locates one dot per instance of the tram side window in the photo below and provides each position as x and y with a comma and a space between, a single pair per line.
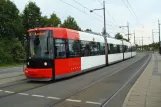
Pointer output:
94, 48
133, 48
60, 51
85, 48
109, 49
113, 48
102, 49
125, 48
118, 49
121, 48
74, 48
129, 49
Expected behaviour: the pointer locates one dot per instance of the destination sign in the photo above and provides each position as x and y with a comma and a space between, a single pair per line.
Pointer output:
37, 33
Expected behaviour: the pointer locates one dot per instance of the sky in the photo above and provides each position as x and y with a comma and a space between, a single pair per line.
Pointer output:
118, 13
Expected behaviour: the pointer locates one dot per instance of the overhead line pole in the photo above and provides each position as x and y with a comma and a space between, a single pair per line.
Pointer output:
159, 37
142, 44
104, 13
104, 29
134, 37
128, 30
142, 40
153, 39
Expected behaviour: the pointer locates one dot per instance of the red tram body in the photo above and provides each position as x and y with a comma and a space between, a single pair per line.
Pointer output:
55, 53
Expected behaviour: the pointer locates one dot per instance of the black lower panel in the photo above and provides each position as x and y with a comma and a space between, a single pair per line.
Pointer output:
40, 63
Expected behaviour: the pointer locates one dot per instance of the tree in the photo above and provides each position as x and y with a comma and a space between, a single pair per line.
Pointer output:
88, 30
118, 36
71, 23
44, 21
31, 16
54, 20
10, 21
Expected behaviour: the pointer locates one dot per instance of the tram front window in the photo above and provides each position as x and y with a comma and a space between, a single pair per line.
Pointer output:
40, 44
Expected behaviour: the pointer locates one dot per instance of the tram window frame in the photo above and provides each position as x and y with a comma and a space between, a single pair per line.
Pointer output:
102, 48
65, 48
78, 53
109, 49
118, 49
129, 49
86, 52
94, 50
121, 49
125, 48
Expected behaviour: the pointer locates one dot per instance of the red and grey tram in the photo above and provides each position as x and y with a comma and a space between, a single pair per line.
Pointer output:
55, 53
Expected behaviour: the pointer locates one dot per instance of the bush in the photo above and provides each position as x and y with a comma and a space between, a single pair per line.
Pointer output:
11, 51
18, 52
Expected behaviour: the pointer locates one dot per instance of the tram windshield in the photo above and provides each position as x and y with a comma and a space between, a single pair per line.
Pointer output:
40, 45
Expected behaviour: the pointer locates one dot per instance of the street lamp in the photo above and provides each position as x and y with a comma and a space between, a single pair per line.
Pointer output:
104, 31
127, 29
134, 36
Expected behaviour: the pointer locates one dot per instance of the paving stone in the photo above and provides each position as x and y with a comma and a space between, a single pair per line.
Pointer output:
137, 98
146, 92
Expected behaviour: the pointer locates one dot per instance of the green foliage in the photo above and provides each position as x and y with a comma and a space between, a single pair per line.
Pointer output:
44, 21
70, 23
54, 20
120, 37
88, 30
14, 27
31, 16
10, 22
11, 51
18, 52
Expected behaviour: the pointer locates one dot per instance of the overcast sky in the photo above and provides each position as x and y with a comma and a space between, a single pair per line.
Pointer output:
147, 11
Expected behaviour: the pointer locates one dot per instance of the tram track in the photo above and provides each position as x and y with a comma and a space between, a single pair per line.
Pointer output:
46, 95
21, 86
57, 103
11, 77
105, 103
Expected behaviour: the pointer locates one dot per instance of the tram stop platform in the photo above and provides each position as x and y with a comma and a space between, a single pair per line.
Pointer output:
146, 92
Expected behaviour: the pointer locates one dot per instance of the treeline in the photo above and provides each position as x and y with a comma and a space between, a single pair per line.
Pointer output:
150, 47
14, 26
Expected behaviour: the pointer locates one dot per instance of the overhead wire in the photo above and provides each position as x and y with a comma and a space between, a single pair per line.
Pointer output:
132, 11
117, 26
87, 8
93, 12
109, 14
84, 12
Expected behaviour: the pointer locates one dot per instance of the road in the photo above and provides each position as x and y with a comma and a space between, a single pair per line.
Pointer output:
11, 69
11, 74
107, 86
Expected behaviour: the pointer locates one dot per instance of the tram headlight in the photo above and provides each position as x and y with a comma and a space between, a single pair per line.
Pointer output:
45, 63
26, 71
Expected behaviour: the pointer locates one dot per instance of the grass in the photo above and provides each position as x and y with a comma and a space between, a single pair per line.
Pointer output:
9, 65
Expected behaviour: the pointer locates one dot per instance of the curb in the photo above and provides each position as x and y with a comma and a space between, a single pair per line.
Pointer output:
129, 93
